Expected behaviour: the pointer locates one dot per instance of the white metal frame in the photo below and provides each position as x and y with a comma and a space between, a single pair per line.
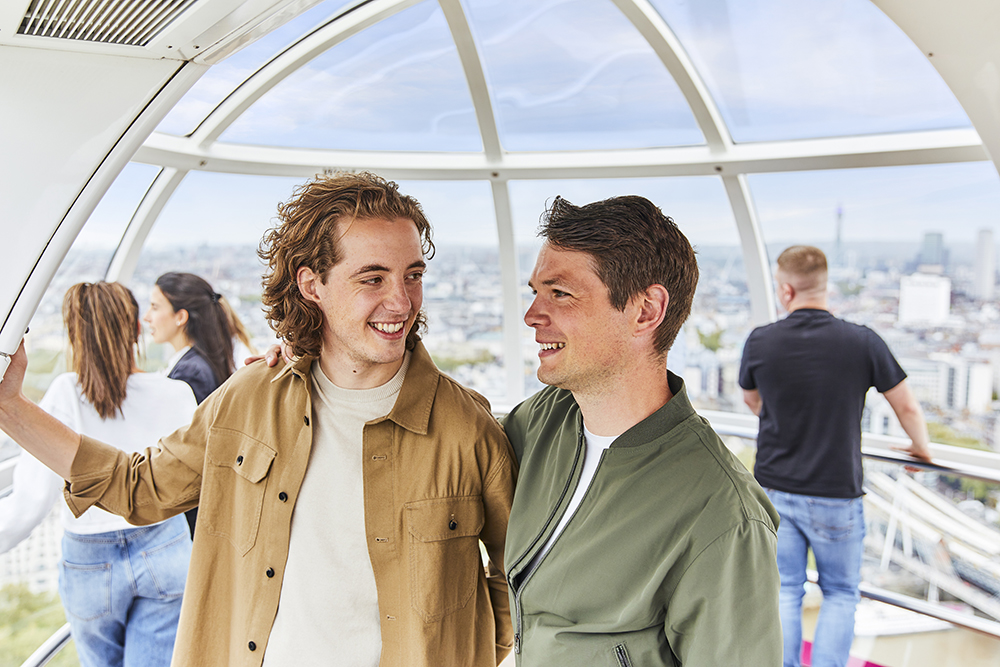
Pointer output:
719, 156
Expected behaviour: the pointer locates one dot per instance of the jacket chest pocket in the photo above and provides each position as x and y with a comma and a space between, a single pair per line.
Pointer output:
233, 488
445, 561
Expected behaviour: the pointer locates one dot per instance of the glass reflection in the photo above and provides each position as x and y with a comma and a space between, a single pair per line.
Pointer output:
398, 85
575, 74
793, 69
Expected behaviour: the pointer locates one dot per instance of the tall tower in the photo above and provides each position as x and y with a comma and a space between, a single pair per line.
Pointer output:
986, 265
838, 256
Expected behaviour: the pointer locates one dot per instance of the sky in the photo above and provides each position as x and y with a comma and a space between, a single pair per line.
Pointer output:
575, 74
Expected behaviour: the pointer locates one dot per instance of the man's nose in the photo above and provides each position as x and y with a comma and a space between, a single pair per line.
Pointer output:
534, 316
398, 300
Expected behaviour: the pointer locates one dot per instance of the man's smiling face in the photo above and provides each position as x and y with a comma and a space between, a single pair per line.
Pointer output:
370, 300
583, 338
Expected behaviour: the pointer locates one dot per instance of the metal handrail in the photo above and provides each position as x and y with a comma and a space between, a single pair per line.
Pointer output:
947, 459
49, 649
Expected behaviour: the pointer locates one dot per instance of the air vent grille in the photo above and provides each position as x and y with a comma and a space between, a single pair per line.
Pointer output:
127, 22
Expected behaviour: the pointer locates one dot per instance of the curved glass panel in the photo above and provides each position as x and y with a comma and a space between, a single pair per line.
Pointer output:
212, 227
575, 74
86, 261
794, 69
399, 85
463, 294
707, 354
224, 77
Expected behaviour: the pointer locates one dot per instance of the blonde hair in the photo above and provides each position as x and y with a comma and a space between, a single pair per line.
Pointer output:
102, 320
236, 326
805, 263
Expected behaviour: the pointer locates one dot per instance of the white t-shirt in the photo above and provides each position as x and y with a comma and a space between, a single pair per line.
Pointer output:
154, 406
595, 446
328, 611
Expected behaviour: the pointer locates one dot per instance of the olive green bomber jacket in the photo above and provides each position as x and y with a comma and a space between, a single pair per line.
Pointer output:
438, 477
669, 560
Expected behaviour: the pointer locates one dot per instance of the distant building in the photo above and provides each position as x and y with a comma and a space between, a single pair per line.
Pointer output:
924, 299
35, 561
986, 266
950, 381
933, 255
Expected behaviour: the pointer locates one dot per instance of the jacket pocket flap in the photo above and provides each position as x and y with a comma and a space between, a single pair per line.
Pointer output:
248, 458
444, 518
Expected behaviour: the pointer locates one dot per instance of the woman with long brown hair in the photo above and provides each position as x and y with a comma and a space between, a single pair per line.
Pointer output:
121, 585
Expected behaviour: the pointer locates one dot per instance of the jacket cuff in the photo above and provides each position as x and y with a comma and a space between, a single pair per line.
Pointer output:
89, 474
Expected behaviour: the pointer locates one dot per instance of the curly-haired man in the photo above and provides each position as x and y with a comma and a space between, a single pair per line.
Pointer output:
343, 497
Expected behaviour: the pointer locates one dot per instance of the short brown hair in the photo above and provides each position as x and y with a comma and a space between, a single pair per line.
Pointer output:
306, 236
806, 262
633, 246
102, 320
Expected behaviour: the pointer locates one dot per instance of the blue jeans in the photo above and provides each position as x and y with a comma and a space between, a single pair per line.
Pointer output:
835, 530
125, 584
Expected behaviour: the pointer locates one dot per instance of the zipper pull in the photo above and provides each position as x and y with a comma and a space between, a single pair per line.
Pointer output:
517, 644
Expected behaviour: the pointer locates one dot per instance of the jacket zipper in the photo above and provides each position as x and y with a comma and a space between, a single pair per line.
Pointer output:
622, 654
510, 578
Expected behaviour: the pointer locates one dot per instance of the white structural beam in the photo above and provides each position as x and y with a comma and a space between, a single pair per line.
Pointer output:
959, 38
671, 53
931, 147
510, 278
56, 185
126, 256
474, 76
274, 72
759, 281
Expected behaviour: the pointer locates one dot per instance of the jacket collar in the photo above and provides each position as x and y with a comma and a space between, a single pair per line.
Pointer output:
656, 425
412, 410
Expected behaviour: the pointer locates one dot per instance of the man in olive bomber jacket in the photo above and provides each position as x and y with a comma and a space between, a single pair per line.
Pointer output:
635, 537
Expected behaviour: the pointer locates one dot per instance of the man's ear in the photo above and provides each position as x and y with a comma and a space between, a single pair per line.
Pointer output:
308, 282
652, 303
786, 292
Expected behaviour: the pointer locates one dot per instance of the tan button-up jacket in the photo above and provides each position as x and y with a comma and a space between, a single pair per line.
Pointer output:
438, 478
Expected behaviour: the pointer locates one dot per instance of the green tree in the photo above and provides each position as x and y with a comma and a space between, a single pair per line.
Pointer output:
711, 341
26, 620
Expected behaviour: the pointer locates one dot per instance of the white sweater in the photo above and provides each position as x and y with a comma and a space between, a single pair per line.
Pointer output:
154, 406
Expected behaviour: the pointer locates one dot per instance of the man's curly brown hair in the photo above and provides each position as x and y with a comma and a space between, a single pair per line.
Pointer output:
306, 236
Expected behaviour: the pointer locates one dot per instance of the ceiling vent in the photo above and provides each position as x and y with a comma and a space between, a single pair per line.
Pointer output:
124, 22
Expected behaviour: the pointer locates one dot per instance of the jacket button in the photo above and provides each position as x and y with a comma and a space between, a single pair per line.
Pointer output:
270, 572
252, 646
282, 496
305, 418
239, 460
452, 525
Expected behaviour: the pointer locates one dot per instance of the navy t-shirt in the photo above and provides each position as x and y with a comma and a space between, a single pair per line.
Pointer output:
812, 371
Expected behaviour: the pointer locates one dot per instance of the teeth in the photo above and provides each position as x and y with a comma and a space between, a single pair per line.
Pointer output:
387, 327
552, 346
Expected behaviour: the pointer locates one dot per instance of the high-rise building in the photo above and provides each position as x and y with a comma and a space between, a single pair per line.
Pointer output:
924, 299
986, 266
933, 255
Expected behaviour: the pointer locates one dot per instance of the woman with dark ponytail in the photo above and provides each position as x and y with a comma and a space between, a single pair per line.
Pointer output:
187, 313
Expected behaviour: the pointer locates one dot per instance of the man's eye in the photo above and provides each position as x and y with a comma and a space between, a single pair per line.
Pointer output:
559, 293
417, 276
374, 280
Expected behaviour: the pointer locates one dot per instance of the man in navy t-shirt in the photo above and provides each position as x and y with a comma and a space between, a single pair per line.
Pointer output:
806, 377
